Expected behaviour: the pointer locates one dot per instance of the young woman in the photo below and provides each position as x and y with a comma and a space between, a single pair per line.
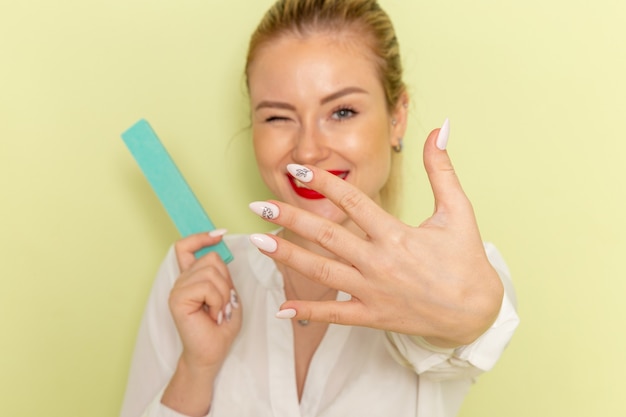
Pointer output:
345, 310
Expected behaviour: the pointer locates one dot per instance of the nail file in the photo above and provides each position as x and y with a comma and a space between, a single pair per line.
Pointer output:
169, 185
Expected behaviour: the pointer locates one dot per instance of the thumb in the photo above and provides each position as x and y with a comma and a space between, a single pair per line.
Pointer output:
187, 247
444, 182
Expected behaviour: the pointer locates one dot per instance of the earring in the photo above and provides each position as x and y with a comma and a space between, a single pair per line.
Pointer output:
398, 147
393, 122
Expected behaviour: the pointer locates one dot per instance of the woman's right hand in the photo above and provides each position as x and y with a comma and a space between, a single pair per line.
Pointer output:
204, 304
207, 314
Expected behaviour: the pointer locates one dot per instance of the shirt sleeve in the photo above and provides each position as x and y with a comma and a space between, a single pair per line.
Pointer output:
467, 361
157, 350
157, 409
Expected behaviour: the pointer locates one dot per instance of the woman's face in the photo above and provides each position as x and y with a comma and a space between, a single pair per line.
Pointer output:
319, 101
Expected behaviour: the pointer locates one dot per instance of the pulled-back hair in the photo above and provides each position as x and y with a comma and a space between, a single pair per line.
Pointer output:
364, 18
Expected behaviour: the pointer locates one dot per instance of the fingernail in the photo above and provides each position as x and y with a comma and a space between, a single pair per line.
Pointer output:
228, 312
220, 317
299, 172
264, 209
234, 300
218, 232
444, 132
287, 313
264, 242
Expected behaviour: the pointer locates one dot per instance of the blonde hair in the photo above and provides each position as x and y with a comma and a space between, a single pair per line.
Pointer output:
361, 17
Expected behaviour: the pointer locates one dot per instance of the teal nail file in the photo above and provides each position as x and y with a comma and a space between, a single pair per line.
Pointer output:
169, 185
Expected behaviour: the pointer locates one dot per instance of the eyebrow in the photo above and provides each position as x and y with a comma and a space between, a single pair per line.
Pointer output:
329, 98
341, 93
274, 105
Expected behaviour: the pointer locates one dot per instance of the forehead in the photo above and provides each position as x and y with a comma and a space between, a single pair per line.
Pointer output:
320, 61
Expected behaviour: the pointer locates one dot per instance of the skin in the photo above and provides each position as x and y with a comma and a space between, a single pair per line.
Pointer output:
200, 294
318, 102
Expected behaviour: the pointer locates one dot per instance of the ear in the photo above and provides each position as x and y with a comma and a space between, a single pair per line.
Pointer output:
399, 114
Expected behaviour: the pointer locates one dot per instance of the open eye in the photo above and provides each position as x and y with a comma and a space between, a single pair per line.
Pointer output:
344, 113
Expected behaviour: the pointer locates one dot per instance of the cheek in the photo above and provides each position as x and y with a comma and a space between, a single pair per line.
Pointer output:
370, 146
263, 145
372, 152
270, 142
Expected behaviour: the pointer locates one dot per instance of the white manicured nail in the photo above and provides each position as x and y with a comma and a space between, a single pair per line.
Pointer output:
299, 172
444, 132
264, 209
287, 313
264, 242
218, 232
220, 317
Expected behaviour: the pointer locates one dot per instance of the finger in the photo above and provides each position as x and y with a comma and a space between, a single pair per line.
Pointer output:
186, 247
211, 260
211, 267
328, 272
368, 215
349, 312
192, 298
210, 273
324, 232
229, 300
447, 190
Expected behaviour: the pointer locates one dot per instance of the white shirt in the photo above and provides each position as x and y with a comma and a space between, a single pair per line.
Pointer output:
355, 371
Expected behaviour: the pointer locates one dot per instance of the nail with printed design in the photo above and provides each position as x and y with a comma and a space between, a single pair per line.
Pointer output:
299, 172
264, 242
264, 209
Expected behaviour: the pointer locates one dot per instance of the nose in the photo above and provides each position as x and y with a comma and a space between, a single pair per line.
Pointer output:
310, 145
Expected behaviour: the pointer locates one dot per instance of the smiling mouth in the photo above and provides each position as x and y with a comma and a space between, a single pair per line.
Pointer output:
304, 191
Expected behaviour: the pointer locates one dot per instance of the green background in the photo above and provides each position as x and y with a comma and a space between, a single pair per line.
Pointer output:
536, 96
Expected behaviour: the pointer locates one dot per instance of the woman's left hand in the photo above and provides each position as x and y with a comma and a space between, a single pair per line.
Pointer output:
433, 281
